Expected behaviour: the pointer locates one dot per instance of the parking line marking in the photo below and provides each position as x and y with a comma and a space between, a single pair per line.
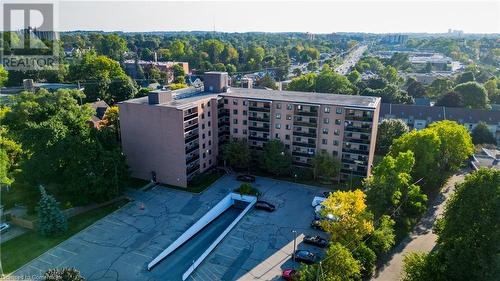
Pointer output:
49, 263
134, 252
112, 222
50, 254
67, 251
32, 266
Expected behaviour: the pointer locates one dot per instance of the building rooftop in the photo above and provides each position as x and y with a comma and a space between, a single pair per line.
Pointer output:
184, 98
304, 97
437, 113
486, 158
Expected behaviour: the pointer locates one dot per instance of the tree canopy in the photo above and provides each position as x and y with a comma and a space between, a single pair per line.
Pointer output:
276, 159
481, 134
389, 130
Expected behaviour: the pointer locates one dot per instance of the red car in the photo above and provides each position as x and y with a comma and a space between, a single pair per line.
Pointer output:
290, 274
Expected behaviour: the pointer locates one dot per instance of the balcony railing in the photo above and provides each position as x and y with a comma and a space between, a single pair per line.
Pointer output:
190, 116
353, 172
259, 109
358, 129
259, 129
193, 158
255, 147
355, 151
305, 124
191, 127
192, 169
259, 119
191, 149
301, 164
353, 161
302, 154
304, 134
356, 140
359, 118
191, 138
258, 138
306, 113
304, 144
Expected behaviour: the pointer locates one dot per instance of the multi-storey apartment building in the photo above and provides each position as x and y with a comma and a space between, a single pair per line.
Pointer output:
175, 135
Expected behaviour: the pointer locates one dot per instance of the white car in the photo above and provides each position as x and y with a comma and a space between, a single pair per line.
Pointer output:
4, 227
317, 200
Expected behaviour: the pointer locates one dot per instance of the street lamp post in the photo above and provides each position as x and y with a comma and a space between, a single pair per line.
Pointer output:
294, 243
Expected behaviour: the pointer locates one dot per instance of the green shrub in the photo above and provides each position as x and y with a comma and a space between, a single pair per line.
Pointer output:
247, 189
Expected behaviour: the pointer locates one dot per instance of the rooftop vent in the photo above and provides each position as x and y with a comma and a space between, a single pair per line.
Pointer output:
216, 82
159, 97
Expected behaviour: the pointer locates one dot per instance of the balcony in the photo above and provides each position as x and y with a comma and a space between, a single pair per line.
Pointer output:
190, 116
305, 124
224, 123
191, 127
259, 109
355, 151
259, 129
255, 147
192, 169
192, 158
191, 138
302, 164
259, 119
258, 138
358, 129
306, 113
359, 118
304, 134
191, 149
353, 172
355, 140
304, 144
302, 154
353, 161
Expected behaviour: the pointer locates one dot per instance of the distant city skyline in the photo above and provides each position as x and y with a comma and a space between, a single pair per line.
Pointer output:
282, 16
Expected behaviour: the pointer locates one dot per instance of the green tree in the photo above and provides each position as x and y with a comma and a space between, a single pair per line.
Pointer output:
416, 89
325, 165
383, 237
390, 74
338, 265
236, 154
366, 258
177, 49
481, 134
51, 221
276, 159
467, 76
4, 75
63, 274
303, 83
451, 99
267, 82
121, 88
491, 87
391, 188
111, 45
473, 95
389, 130
329, 81
439, 87
354, 76
416, 267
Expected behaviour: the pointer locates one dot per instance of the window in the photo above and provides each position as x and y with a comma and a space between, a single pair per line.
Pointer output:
203, 146
245, 112
327, 109
209, 142
235, 121
278, 105
235, 131
244, 102
202, 126
235, 102
324, 141
326, 120
287, 146
289, 117
208, 113
335, 142
339, 110
288, 127
226, 101
209, 161
203, 116
278, 115
235, 111
208, 103
244, 131
209, 123
289, 106
325, 131
277, 135
335, 153
287, 137
204, 165
245, 122
278, 126
204, 155
203, 136
336, 132
209, 133
338, 121
209, 152
202, 105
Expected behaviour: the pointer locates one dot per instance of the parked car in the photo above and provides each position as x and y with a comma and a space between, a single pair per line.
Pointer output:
290, 274
266, 206
305, 256
316, 224
317, 200
316, 240
246, 178
4, 227
327, 194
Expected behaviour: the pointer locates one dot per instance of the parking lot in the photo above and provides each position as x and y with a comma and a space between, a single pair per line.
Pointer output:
119, 246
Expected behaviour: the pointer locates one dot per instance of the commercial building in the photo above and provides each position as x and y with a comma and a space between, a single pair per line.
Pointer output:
174, 135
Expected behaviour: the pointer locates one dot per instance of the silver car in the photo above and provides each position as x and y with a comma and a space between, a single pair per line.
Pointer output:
4, 227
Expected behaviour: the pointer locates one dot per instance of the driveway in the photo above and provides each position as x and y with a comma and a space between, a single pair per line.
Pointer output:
119, 246
421, 239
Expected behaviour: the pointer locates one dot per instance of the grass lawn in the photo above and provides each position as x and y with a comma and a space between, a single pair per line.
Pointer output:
200, 183
24, 248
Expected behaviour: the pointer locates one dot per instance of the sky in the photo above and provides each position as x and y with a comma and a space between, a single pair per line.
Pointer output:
281, 16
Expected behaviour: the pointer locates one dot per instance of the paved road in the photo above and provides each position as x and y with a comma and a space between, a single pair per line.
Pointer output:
351, 60
422, 239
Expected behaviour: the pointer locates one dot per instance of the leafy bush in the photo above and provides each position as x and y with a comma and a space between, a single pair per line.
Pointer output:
247, 189
63, 274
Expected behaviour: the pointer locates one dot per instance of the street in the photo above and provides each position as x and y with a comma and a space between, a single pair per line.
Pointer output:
421, 239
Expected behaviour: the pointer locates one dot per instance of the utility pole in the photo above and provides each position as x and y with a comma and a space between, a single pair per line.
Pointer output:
294, 243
